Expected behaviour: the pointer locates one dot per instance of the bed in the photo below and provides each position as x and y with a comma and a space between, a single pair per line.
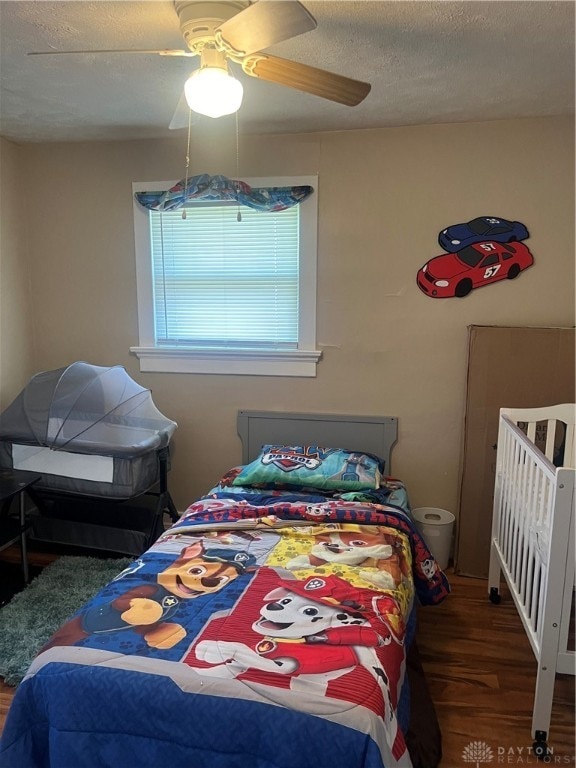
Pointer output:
270, 626
532, 542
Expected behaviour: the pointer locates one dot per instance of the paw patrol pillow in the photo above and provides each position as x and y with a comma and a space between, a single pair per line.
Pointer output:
310, 466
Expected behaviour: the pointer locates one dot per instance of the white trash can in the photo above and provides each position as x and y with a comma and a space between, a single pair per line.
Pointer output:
436, 526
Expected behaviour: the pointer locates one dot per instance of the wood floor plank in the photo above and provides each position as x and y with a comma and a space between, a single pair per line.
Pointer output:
481, 673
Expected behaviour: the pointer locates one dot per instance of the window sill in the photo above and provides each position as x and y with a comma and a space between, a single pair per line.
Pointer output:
244, 362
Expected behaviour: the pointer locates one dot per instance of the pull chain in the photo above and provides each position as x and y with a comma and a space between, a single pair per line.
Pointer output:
187, 162
239, 214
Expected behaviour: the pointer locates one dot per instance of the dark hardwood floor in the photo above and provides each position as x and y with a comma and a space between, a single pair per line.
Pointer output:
481, 673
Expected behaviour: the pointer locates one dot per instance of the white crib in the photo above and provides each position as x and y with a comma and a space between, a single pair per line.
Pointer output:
533, 540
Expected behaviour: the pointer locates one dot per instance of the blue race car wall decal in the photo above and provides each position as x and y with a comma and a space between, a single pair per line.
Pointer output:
456, 274
458, 236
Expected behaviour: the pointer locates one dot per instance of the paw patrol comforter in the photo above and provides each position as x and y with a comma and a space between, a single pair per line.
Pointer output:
262, 629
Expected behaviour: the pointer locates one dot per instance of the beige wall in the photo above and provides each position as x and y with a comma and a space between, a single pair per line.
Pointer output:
15, 297
383, 197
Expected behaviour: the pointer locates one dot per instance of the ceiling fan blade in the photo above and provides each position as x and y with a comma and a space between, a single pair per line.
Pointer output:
181, 114
319, 82
263, 24
161, 52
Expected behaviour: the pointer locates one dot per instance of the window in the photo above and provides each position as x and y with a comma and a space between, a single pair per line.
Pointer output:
492, 259
216, 295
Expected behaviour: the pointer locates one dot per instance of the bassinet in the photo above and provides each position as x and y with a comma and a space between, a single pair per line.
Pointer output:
89, 431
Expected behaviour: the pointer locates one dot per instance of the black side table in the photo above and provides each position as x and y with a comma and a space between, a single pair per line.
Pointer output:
14, 483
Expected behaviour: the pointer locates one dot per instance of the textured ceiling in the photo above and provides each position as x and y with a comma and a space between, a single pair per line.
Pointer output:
428, 62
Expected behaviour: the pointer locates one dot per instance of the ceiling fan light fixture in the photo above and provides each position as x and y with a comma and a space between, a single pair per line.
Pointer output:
212, 91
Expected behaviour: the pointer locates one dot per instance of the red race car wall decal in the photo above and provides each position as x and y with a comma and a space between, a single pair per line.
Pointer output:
458, 272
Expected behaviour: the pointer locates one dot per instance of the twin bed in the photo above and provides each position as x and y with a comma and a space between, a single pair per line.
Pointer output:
272, 625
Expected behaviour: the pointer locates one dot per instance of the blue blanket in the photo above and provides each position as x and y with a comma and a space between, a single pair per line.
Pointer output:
258, 631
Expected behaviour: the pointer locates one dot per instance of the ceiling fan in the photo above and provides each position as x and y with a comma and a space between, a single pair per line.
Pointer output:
219, 31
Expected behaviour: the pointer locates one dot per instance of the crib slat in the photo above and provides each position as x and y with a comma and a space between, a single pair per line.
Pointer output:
525, 546
569, 447
550, 439
505, 505
535, 596
524, 499
531, 575
513, 485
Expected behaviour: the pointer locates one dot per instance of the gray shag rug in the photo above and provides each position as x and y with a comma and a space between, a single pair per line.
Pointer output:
33, 615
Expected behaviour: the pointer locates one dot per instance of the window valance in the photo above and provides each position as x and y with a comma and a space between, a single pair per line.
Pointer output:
221, 188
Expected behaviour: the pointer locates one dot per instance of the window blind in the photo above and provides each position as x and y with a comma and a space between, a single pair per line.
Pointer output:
222, 282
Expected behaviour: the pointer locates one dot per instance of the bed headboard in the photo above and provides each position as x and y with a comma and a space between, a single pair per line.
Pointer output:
370, 434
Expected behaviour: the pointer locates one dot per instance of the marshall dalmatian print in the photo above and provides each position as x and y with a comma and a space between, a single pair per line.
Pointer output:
266, 627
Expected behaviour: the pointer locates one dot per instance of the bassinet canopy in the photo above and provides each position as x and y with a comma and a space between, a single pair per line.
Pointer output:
87, 409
